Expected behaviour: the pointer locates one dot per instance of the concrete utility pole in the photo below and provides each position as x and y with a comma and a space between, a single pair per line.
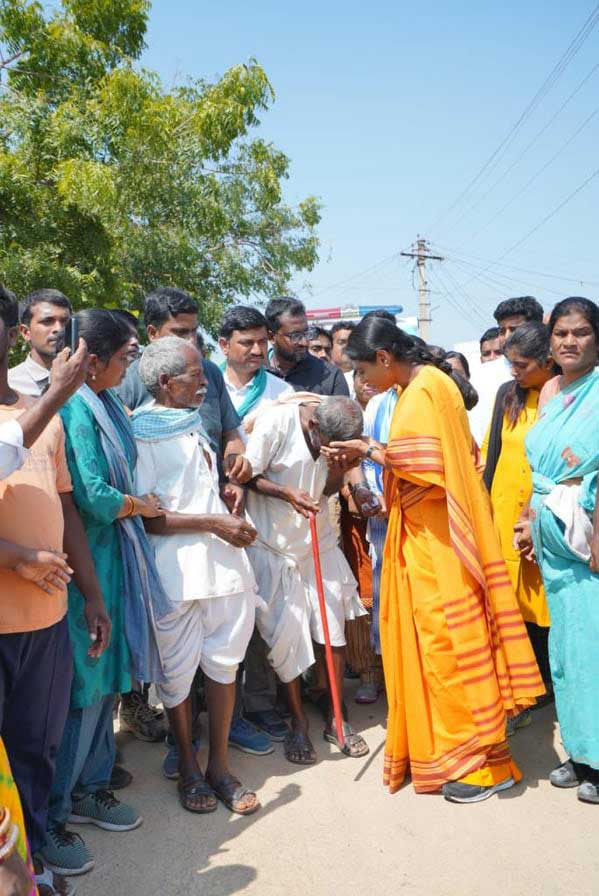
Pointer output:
421, 254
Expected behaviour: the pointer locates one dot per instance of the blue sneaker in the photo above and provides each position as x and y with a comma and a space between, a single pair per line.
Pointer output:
246, 737
102, 809
170, 766
65, 852
271, 723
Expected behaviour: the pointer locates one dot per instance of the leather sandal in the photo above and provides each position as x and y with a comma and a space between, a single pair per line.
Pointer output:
231, 792
192, 788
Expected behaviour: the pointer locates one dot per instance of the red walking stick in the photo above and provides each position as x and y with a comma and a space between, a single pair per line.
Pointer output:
327, 636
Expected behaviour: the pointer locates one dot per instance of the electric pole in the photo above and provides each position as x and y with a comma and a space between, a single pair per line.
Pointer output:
421, 254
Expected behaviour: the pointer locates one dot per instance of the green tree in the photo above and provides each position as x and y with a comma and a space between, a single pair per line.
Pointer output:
111, 185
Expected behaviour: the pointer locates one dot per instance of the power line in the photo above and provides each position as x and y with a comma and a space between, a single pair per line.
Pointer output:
535, 176
551, 214
503, 281
465, 313
372, 269
474, 304
452, 255
549, 82
529, 146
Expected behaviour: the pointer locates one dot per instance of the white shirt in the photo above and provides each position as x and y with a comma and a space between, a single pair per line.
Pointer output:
349, 379
192, 565
12, 453
486, 379
29, 377
275, 387
277, 448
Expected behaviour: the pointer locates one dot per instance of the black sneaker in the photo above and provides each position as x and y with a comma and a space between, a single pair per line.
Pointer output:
120, 778
456, 792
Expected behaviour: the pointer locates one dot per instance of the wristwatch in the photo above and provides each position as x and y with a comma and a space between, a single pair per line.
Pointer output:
371, 448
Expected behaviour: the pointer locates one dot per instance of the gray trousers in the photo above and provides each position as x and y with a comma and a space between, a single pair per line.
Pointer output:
256, 680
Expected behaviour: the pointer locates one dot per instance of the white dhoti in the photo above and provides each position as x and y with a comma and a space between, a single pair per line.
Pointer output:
282, 557
292, 620
212, 633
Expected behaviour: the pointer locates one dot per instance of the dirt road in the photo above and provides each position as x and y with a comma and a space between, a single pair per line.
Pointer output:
332, 830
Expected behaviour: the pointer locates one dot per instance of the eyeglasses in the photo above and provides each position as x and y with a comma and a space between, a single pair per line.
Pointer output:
297, 336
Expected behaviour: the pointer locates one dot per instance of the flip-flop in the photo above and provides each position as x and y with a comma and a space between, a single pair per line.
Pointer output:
368, 693
195, 787
298, 742
354, 744
230, 791
47, 879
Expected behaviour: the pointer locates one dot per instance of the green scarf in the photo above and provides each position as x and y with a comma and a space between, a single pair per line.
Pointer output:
255, 392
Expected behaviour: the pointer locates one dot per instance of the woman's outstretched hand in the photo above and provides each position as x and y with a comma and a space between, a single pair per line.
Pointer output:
345, 455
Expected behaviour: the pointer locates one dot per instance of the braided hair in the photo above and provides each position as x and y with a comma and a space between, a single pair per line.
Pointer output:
378, 334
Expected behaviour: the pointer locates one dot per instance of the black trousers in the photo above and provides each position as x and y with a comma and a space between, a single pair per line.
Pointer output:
539, 638
36, 670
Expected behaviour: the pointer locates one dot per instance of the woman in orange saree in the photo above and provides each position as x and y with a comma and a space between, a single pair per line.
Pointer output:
456, 655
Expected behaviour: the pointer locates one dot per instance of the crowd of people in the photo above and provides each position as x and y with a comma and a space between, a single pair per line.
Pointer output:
156, 520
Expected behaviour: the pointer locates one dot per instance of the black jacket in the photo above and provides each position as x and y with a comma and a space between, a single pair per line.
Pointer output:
312, 374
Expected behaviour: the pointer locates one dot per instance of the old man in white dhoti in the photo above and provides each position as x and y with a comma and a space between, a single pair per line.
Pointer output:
203, 568
292, 480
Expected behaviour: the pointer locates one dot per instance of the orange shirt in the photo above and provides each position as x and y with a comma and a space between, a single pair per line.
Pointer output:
31, 515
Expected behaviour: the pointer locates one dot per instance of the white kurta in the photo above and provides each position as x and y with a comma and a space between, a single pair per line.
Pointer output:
486, 379
209, 580
275, 387
282, 558
192, 565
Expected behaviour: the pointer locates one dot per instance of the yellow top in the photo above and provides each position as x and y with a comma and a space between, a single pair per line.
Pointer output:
511, 489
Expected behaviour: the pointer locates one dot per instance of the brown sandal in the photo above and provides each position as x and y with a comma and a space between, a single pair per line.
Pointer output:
231, 792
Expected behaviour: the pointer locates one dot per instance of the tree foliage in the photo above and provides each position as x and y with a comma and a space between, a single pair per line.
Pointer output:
111, 185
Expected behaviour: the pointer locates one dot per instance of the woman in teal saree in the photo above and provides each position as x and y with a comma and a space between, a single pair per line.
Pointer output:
563, 531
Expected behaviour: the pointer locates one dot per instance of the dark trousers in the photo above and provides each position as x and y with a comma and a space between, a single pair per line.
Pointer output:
539, 638
256, 680
36, 669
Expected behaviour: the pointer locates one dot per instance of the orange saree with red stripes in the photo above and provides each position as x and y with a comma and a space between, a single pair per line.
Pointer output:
456, 653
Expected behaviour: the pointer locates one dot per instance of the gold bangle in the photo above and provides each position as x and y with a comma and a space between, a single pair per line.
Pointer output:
131, 507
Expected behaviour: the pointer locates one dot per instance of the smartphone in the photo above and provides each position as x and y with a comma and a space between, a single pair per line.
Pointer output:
71, 335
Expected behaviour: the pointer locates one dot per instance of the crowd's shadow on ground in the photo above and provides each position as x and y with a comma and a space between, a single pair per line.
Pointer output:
174, 850
533, 749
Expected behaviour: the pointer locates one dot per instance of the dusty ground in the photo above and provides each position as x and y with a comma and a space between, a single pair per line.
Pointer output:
333, 829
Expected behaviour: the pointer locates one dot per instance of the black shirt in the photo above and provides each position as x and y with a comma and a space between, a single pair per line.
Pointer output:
312, 374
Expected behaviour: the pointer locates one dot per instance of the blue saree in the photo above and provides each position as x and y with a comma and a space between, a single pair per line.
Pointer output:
377, 423
564, 445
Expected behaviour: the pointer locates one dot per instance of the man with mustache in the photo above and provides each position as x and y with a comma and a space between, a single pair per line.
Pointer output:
244, 343
44, 316
203, 568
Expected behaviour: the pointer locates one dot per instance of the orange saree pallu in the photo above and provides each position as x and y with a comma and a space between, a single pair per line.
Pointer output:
456, 654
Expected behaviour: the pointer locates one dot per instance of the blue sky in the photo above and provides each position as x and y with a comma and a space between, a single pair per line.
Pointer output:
388, 110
